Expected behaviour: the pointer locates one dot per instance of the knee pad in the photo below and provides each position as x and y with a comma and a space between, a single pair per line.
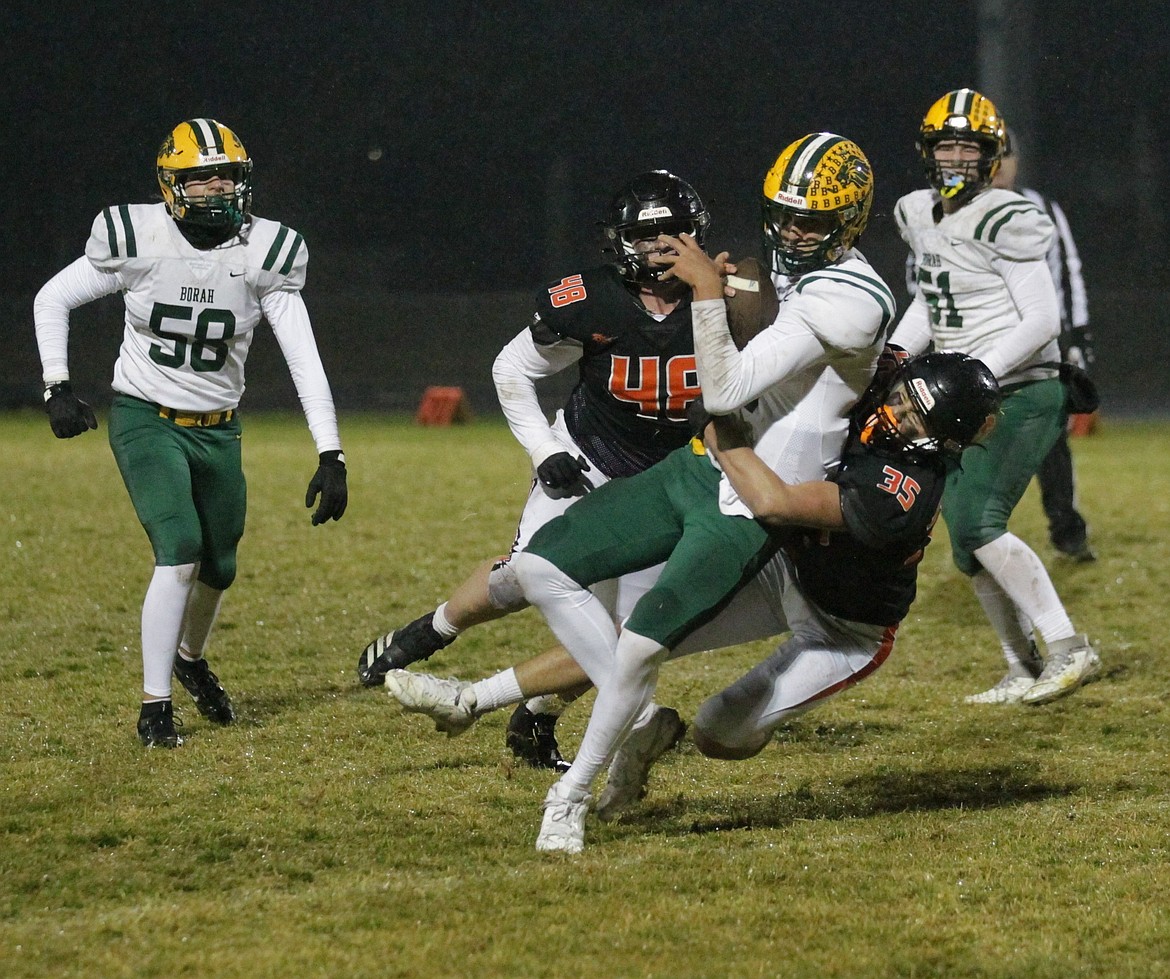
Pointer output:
504, 591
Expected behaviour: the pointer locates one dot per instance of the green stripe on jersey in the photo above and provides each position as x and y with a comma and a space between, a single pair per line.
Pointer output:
868, 284
1012, 207
111, 234
131, 241
274, 251
292, 254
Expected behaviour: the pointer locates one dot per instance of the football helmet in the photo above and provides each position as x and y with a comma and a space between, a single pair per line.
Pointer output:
818, 174
652, 204
953, 395
198, 149
963, 114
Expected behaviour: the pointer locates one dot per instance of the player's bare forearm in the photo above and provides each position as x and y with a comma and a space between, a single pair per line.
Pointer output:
775, 502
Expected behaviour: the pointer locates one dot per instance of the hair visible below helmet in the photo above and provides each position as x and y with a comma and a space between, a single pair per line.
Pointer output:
954, 394
199, 149
963, 114
819, 174
652, 204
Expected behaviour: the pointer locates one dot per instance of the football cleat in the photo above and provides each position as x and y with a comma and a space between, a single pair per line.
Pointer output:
398, 649
204, 687
532, 739
156, 725
449, 703
1013, 686
562, 830
1071, 663
630, 768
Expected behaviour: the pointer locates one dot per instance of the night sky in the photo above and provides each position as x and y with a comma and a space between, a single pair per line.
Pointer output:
456, 146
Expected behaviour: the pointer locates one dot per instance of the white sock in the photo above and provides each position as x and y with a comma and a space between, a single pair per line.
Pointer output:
1022, 575
1001, 612
621, 699
202, 610
497, 691
441, 624
162, 621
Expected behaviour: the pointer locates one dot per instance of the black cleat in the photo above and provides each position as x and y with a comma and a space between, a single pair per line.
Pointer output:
156, 725
398, 649
533, 740
204, 686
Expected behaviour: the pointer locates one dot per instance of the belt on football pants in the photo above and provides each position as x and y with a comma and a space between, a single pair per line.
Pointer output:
196, 419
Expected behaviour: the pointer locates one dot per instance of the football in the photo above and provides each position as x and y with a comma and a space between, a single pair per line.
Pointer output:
755, 303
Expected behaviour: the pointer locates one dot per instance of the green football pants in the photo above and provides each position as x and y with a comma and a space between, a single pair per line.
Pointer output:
981, 495
668, 513
186, 484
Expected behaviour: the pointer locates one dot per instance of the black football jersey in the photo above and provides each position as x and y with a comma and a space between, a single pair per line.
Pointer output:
637, 375
868, 572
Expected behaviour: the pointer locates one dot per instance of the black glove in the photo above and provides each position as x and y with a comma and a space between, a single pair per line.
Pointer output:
561, 471
329, 481
697, 417
68, 414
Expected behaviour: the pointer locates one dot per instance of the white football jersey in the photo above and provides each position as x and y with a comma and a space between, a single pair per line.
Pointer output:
955, 256
191, 314
797, 379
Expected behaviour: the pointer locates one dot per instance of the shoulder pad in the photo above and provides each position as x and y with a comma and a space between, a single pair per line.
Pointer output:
1014, 227
853, 280
281, 252
117, 234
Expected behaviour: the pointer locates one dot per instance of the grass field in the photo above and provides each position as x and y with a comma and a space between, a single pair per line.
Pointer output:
894, 832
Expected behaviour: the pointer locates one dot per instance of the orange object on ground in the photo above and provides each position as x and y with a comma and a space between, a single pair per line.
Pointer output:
443, 406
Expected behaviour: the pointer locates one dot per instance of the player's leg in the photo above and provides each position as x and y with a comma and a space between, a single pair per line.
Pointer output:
220, 493
1066, 527
978, 502
151, 456
824, 656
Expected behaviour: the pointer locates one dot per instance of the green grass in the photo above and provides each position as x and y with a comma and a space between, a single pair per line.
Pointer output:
893, 832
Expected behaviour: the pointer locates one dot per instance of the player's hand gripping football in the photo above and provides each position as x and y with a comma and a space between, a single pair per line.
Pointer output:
68, 414
687, 261
329, 482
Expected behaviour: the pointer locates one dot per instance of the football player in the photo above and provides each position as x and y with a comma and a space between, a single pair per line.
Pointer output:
793, 384
198, 271
843, 580
626, 325
984, 289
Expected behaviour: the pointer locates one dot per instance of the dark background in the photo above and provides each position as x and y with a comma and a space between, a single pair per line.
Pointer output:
443, 159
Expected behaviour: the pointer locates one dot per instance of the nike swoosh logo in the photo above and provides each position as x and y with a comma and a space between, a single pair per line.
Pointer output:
235, 274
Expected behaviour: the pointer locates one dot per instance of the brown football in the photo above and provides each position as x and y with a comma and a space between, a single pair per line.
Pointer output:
755, 303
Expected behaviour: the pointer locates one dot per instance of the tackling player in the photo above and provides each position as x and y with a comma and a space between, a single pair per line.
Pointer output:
794, 382
627, 328
198, 272
984, 288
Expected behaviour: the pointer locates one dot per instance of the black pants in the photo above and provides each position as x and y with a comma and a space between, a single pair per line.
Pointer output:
1066, 527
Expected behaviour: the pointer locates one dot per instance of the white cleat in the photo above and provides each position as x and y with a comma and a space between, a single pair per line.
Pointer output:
1009, 690
630, 768
562, 830
449, 703
1071, 664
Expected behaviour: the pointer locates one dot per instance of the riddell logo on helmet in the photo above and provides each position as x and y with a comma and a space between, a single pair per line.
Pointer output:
792, 200
649, 213
923, 393
210, 159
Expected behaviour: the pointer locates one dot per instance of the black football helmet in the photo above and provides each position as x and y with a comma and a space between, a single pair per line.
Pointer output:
951, 392
653, 203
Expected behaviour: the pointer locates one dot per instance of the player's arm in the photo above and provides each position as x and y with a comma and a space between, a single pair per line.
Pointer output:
913, 334
771, 500
75, 285
1034, 295
515, 372
289, 318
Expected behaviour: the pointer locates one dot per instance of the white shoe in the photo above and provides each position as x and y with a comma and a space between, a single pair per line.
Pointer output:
563, 828
630, 768
1071, 663
1009, 690
449, 703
